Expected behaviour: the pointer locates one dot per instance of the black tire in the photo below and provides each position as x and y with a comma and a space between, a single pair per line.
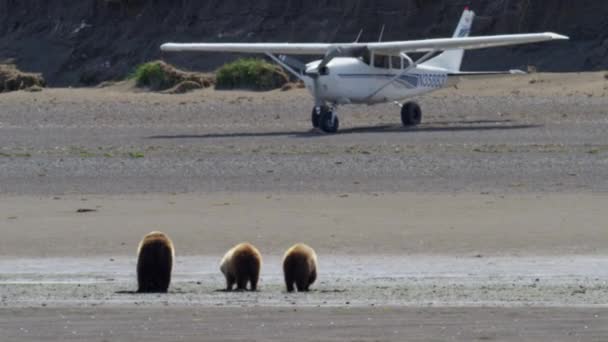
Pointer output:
315, 118
328, 122
411, 114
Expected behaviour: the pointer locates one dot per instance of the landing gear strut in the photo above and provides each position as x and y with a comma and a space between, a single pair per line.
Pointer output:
316, 116
411, 114
325, 118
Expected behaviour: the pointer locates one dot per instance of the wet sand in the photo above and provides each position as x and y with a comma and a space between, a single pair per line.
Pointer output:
351, 281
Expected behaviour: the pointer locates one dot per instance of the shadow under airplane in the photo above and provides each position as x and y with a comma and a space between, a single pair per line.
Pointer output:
459, 126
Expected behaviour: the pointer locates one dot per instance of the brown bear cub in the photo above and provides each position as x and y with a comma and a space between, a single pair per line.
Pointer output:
300, 267
241, 265
154, 263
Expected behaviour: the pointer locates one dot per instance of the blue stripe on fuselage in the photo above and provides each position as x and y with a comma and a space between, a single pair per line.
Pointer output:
408, 80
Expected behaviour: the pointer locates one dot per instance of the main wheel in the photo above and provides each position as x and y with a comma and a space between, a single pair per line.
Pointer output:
329, 122
411, 114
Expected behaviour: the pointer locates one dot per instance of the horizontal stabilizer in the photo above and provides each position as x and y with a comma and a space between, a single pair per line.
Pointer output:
482, 73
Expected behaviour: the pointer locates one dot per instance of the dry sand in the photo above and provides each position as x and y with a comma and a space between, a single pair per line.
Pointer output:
385, 223
305, 324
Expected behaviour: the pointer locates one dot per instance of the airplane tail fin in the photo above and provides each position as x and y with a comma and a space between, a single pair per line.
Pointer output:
452, 59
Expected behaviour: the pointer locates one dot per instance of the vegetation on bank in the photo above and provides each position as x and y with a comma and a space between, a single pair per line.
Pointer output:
250, 73
12, 79
245, 73
160, 76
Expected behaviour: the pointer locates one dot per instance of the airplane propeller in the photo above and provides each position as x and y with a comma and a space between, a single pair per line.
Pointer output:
321, 68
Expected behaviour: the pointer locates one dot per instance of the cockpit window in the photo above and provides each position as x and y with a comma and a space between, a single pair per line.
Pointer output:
396, 62
381, 61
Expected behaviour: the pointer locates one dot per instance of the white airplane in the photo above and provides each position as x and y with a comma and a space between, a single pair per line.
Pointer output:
370, 73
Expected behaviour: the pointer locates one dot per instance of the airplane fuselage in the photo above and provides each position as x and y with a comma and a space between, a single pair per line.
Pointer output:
351, 80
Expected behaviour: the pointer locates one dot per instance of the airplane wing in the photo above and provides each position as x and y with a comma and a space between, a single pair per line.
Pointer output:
388, 48
275, 48
465, 43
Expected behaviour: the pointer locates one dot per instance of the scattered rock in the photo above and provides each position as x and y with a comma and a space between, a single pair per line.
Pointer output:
105, 84
293, 85
288, 86
34, 89
580, 290
183, 87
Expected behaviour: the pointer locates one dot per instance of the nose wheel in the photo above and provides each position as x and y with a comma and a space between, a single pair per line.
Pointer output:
325, 119
411, 114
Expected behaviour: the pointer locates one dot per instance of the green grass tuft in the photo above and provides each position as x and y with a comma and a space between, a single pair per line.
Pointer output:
136, 154
250, 73
151, 75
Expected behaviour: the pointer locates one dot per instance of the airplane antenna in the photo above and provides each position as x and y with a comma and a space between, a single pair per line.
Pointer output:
359, 36
381, 34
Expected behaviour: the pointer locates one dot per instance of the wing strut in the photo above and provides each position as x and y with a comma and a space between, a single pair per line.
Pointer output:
285, 66
411, 65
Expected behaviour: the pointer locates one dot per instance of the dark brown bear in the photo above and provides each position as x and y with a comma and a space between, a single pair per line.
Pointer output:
155, 256
300, 267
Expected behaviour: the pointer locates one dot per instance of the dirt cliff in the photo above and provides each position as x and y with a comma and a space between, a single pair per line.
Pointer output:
89, 41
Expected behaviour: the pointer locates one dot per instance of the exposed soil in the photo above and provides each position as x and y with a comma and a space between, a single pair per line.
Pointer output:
12, 79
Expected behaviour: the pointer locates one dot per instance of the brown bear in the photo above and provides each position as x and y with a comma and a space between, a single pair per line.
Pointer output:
155, 256
300, 267
240, 265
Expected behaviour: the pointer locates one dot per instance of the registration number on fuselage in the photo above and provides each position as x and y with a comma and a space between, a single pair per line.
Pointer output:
432, 80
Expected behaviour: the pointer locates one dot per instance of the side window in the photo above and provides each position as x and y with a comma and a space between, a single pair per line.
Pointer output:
381, 61
396, 62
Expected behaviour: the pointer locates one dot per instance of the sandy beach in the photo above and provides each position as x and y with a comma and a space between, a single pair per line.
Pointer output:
487, 222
